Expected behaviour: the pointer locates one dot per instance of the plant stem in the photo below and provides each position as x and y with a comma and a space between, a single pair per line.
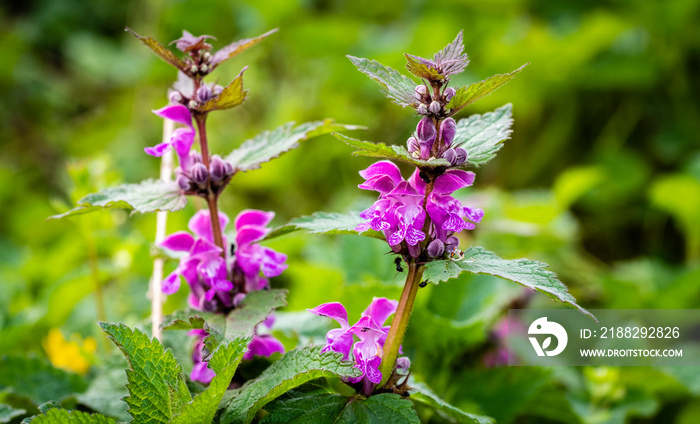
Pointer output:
202, 130
400, 321
212, 198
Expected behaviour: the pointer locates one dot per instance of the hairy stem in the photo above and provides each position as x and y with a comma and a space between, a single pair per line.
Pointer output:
202, 131
400, 321
212, 198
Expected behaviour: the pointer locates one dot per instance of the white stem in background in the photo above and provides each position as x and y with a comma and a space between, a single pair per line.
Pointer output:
156, 294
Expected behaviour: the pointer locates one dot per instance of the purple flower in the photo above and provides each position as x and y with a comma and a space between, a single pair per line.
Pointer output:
189, 42
265, 344
251, 259
181, 139
370, 330
200, 370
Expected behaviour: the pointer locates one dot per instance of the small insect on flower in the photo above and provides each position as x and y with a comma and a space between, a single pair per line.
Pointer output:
423, 176
397, 261
423, 284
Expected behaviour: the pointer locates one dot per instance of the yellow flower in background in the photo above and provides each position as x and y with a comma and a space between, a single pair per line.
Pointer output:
74, 355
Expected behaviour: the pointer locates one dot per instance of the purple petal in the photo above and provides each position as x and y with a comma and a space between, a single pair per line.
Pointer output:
249, 234
384, 167
158, 150
204, 249
264, 345
380, 309
339, 340
273, 262
448, 129
180, 241
182, 140
200, 224
171, 283
452, 180
333, 310
177, 113
372, 370
201, 373
253, 217
368, 331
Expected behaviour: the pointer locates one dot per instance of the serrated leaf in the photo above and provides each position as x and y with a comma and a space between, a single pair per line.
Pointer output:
146, 196
232, 96
381, 150
238, 47
451, 59
224, 363
482, 136
421, 69
529, 273
337, 409
422, 394
241, 322
326, 223
63, 416
292, 370
469, 94
157, 389
161, 51
271, 144
187, 320
7, 413
399, 88
37, 379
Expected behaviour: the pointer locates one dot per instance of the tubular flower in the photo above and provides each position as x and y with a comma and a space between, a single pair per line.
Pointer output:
371, 332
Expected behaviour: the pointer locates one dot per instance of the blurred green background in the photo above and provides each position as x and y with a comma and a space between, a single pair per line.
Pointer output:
601, 178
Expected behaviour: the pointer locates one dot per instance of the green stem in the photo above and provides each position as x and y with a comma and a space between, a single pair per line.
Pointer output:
400, 321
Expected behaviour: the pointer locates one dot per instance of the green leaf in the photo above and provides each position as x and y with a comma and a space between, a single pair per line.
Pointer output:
469, 94
187, 320
399, 88
238, 47
271, 144
63, 416
241, 322
146, 196
157, 389
422, 394
529, 273
483, 135
421, 70
7, 413
224, 363
161, 51
232, 96
37, 379
292, 370
326, 223
337, 409
381, 150
107, 388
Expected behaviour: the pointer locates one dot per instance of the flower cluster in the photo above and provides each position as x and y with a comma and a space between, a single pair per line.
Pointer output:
371, 332
219, 280
402, 208
194, 177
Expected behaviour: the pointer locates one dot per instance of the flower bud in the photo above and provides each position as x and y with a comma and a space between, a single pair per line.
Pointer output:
228, 168
420, 91
461, 155
434, 107
203, 94
436, 248
183, 182
425, 130
217, 168
194, 69
206, 56
174, 97
451, 244
199, 173
218, 89
449, 93
412, 144
403, 363
195, 156
204, 68
448, 129
451, 156
192, 104
422, 109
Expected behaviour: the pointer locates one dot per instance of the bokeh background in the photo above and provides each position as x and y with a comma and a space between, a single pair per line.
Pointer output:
601, 178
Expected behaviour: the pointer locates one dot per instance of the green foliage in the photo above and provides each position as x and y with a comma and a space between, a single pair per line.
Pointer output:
529, 273
157, 389
224, 363
482, 136
187, 319
161, 51
381, 150
241, 322
232, 96
421, 70
679, 196
146, 196
271, 144
292, 370
62, 416
7, 413
424, 395
398, 88
469, 94
37, 380
326, 223
326, 408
